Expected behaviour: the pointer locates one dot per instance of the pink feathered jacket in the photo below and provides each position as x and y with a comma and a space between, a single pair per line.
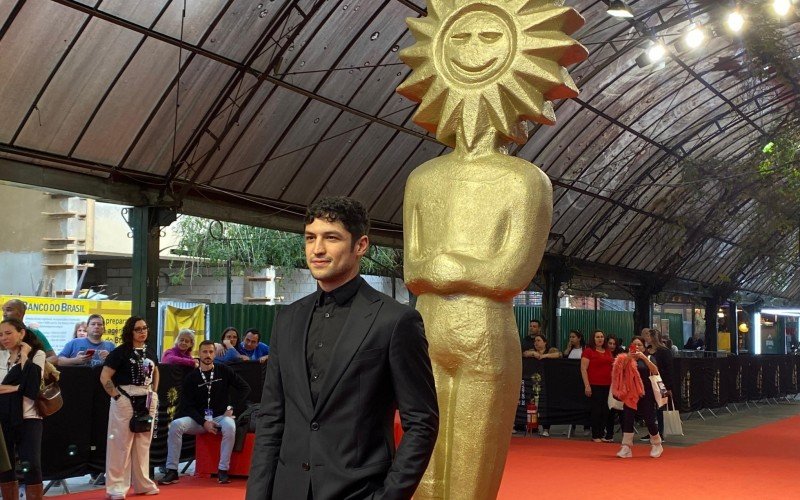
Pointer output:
626, 383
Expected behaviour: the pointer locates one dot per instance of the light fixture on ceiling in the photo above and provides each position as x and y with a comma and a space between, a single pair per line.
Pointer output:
694, 37
743, 328
720, 314
735, 21
656, 52
781, 7
653, 56
618, 8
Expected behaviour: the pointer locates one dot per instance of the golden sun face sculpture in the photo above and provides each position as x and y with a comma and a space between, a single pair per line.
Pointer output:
489, 64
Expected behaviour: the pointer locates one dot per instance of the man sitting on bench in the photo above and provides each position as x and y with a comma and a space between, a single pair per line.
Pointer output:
205, 407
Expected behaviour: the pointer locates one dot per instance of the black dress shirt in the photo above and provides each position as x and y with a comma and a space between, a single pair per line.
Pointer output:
527, 343
327, 320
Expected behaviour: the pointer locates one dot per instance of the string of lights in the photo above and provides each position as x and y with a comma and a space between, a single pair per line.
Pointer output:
732, 21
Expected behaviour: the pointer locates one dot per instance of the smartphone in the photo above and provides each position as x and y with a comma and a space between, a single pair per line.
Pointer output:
89, 352
632, 349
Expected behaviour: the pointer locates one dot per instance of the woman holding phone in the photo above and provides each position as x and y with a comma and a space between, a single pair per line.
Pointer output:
632, 386
130, 377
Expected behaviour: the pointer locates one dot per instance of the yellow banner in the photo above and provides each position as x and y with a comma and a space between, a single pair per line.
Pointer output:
176, 319
56, 318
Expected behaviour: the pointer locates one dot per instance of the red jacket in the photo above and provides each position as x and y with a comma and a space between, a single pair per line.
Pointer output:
626, 383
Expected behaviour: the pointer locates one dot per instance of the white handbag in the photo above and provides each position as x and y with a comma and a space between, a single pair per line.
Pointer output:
659, 390
613, 403
672, 421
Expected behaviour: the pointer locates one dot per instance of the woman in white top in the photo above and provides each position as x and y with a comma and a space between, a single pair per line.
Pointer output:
21, 372
574, 349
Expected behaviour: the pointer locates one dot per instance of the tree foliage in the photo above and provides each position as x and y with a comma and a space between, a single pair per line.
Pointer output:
254, 248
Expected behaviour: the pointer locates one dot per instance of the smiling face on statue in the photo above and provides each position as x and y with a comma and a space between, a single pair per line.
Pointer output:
476, 47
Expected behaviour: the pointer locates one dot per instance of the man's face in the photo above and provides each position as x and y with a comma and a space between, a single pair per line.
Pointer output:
207, 355
330, 254
250, 341
12, 311
95, 329
533, 328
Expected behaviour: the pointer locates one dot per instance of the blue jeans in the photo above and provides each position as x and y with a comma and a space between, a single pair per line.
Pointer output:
186, 425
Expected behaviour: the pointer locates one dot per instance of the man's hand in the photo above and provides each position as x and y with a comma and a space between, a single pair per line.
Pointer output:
210, 426
102, 354
263, 359
588, 391
243, 357
24, 348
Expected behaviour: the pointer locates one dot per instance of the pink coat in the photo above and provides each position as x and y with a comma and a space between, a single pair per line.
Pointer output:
626, 383
174, 356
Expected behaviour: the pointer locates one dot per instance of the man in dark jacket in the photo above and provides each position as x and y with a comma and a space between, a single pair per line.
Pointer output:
205, 406
341, 361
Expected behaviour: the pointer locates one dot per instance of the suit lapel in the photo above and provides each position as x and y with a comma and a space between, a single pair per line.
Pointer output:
298, 360
362, 315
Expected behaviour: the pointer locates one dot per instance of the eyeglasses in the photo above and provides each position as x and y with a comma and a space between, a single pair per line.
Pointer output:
140, 329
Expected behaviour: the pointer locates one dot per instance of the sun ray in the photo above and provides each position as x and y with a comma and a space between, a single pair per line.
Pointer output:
557, 46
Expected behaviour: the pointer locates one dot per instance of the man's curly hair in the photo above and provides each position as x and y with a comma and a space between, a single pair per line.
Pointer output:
351, 213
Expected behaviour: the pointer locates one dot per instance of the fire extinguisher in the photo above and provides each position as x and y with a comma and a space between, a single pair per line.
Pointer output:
533, 419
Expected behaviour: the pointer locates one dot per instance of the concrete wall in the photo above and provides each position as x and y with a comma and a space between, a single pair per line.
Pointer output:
111, 233
21, 259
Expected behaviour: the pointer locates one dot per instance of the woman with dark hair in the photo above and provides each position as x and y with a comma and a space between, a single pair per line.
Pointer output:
613, 346
574, 349
22, 363
663, 359
596, 373
542, 350
630, 377
130, 377
226, 351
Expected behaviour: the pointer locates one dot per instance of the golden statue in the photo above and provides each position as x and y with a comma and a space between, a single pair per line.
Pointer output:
476, 220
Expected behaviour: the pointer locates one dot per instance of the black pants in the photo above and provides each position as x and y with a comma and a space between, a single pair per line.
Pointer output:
645, 409
599, 408
660, 420
614, 416
26, 441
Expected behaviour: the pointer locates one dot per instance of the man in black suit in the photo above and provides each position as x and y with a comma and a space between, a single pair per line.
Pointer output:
341, 361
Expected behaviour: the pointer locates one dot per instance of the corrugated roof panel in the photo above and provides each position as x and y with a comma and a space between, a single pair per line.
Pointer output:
33, 36
136, 93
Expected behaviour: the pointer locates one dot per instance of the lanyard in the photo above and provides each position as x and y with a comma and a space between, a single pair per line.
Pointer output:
208, 382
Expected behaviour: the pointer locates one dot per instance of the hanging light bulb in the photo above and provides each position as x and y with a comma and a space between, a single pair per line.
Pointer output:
618, 8
735, 21
694, 37
656, 52
781, 7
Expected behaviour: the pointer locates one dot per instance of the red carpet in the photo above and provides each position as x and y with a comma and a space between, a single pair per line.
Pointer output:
757, 463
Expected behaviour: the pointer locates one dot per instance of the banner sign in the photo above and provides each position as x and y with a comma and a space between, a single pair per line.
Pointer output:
56, 318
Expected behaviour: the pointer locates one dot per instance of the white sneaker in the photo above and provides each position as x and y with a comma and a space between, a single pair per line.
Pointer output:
625, 452
656, 450
545, 433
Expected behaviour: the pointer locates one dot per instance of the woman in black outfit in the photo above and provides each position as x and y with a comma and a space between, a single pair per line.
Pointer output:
130, 377
663, 356
21, 368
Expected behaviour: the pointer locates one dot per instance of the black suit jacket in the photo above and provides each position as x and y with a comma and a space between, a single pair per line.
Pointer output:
343, 448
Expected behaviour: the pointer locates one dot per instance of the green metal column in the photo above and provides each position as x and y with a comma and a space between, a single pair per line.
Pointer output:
712, 323
643, 309
145, 224
553, 276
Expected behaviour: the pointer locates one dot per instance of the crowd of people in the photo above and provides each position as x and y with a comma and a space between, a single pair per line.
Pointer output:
610, 374
130, 377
